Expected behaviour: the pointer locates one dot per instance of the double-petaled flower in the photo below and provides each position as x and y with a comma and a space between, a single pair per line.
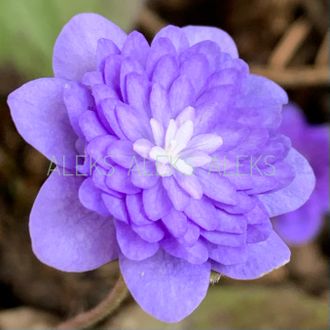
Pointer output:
188, 164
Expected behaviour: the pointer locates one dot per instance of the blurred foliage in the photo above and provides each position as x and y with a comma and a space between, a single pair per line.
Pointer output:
245, 306
28, 29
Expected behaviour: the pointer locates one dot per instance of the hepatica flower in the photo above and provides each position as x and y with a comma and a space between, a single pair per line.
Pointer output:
183, 162
312, 141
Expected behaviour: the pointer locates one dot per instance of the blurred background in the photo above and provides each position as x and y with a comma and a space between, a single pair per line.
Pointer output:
285, 40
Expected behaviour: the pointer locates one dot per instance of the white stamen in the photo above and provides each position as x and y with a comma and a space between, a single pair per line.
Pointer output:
178, 150
164, 169
159, 155
183, 136
157, 131
188, 113
183, 167
170, 133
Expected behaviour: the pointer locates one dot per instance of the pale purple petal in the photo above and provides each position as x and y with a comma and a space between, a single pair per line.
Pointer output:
98, 149
128, 65
259, 233
135, 209
132, 245
159, 48
302, 225
208, 143
105, 47
142, 147
90, 197
155, 201
226, 76
178, 197
77, 100
294, 195
159, 104
102, 92
260, 91
118, 180
90, 125
212, 107
217, 187
151, 233
256, 139
231, 223
137, 93
121, 152
111, 73
176, 35
108, 110
197, 69
245, 203
181, 95
131, 125
176, 222
293, 124
162, 283
166, 71
32, 106
257, 215
227, 255
143, 175
195, 254
196, 34
207, 48
190, 184
92, 78
99, 177
203, 213
75, 48
191, 236
64, 234
116, 206
136, 46
196, 158
262, 258
224, 239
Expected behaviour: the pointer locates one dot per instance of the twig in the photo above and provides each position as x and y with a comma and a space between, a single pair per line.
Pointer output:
107, 306
316, 11
290, 43
322, 57
304, 76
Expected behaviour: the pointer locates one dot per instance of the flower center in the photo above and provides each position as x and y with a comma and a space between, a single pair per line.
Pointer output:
176, 140
177, 149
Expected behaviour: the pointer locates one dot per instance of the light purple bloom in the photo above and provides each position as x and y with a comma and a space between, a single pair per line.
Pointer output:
164, 126
312, 141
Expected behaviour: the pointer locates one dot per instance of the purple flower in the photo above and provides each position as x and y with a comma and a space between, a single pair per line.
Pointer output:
184, 162
312, 141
